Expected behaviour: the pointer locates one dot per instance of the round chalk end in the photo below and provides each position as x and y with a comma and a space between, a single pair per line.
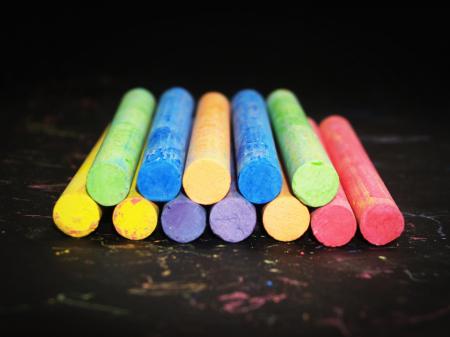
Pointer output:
138, 98
76, 214
381, 223
233, 219
280, 95
183, 220
315, 183
260, 182
285, 218
107, 184
333, 225
135, 218
206, 181
159, 181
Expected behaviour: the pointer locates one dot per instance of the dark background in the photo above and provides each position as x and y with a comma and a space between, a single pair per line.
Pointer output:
62, 76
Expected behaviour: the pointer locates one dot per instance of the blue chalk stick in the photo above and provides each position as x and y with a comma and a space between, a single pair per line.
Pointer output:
258, 168
159, 178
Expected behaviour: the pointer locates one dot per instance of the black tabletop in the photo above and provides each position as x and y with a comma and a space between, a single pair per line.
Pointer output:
106, 285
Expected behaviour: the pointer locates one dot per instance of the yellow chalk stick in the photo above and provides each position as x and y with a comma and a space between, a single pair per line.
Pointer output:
207, 176
285, 218
75, 212
135, 218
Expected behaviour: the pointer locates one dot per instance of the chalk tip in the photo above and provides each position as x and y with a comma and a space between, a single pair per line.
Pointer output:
206, 181
285, 218
381, 223
246, 94
278, 94
76, 214
334, 119
215, 96
233, 219
107, 184
135, 218
315, 183
159, 181
260, 181
183, 220
333, 225
178, 91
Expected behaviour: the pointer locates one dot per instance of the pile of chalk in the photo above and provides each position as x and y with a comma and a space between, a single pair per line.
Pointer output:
302, 173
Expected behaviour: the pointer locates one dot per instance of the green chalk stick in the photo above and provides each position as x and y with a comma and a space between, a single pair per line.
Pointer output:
112, 172
313, 178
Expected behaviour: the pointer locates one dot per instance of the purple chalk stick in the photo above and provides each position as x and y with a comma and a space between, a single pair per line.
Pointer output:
233, 218
183, 220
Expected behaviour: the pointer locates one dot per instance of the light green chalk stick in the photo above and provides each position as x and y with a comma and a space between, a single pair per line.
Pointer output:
112, 172
313, 178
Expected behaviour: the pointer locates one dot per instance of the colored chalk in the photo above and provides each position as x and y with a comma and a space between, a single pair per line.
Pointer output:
76, 213
207, 179
258, 168
380, 220
112, 172
183, 220
285, 218
334, 224
233, 218
313, 178
135, 217
159, 177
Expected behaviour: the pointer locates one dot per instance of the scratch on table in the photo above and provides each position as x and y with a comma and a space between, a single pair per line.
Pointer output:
151, 288
411, 276
433, 218
84, 303
48, 187
392, 139
36, 216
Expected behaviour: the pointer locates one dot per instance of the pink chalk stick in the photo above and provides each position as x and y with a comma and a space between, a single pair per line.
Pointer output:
380, 220
334, 224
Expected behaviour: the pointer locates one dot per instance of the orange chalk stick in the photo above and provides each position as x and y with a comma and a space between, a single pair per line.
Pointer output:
207, 176
285, 218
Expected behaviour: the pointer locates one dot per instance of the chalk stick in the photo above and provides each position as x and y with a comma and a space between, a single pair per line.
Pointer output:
380, 221
75, 212
135, 217
112, 172
285, 218
313, 179
334, 224
183, 220
258, 169
207, 179
161, 171
233, 218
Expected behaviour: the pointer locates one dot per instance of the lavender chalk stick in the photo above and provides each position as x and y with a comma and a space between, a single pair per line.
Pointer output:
183, 220
233, 219
258, 168
162, 167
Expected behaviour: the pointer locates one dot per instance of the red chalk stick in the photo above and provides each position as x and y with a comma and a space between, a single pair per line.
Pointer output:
334, 224
380, 220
